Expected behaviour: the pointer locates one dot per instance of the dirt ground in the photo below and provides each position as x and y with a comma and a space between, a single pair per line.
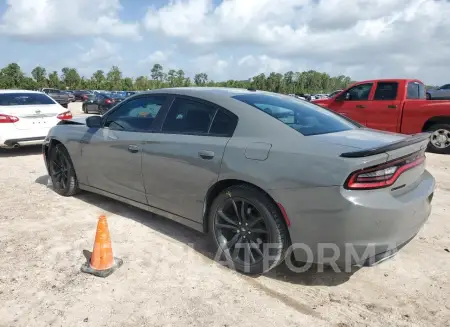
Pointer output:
169, 277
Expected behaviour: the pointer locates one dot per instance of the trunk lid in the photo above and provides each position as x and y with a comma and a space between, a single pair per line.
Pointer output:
33, 116
368, 147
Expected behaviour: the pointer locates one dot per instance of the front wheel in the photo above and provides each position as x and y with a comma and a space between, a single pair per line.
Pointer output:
428, 96
440, 138
62, 172
247, 230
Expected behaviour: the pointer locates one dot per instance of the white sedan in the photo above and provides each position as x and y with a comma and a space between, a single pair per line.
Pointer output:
27, 116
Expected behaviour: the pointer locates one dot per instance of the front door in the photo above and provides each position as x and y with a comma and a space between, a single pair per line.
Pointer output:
113, 154
183, 161
354, 102
384, 110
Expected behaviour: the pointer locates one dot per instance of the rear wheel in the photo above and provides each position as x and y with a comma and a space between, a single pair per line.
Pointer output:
440, 138
248, 230
61, 171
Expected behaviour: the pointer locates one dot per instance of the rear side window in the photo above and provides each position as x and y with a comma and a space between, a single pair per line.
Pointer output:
386, 91
189, 117
415, 90
223, 124
24, 99
303, 116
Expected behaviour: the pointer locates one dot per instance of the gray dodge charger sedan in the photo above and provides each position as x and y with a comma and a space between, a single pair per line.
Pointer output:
265, 175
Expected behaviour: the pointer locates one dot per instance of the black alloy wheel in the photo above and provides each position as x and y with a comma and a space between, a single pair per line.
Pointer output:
61, 171
248, 229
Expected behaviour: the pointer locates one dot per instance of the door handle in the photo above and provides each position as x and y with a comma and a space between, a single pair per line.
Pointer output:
206, 154
133, 148
392, 106
360, 106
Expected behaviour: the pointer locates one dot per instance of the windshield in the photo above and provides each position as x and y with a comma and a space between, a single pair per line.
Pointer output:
23, 99
305, 117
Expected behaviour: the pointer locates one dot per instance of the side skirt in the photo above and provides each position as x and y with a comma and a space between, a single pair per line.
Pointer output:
184, 221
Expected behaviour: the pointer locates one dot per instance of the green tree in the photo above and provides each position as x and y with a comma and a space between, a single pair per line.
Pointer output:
201, 79
40, 76
114, 78
172, 77
53, 80
157, 73
12, 77
290, 82
127, 84
70, 77
98, 80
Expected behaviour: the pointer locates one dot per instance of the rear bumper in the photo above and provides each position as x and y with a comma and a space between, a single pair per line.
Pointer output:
10, 143
333, 225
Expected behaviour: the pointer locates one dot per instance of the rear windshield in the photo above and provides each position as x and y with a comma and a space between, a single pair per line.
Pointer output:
23, 99
305, 117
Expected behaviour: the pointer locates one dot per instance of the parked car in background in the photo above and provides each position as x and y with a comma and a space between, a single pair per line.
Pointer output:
99, 103
199, 156
130, 93
27, 116
81, 95
71, 96
440, 93
332, 94
395, 105
59, 96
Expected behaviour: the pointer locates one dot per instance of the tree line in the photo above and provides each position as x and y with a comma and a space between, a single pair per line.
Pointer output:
308, 82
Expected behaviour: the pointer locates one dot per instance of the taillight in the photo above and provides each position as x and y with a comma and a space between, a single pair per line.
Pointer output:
7, 119
107, 101
383, 175
65, 115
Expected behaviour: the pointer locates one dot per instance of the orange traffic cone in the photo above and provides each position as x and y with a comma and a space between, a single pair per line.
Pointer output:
102, 263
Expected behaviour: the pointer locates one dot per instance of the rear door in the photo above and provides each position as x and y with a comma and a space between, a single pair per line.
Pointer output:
181, 162
384, 111
354, 102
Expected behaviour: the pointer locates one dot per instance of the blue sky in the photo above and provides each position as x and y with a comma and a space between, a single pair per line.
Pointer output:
231, 39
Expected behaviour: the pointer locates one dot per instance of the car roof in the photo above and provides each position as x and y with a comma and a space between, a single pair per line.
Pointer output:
17, 91
208, 93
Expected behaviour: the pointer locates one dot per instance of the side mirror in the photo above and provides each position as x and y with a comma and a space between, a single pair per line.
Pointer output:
94, 121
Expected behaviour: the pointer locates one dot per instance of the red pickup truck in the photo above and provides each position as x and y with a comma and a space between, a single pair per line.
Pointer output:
395, 105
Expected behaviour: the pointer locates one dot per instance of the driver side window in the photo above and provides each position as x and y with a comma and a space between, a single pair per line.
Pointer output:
137, 115
359, 92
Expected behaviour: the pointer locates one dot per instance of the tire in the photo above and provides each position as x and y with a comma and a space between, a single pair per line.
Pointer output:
428, 96
84, 108
259, 207
437, 130
59, 157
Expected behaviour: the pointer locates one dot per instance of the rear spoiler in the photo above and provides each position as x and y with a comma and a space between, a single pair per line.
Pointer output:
409, 140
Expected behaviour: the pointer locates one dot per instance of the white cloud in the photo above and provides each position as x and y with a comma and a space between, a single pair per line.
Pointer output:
157, 57
102, 50
264, 64
369, 38
211, 64
49, 19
